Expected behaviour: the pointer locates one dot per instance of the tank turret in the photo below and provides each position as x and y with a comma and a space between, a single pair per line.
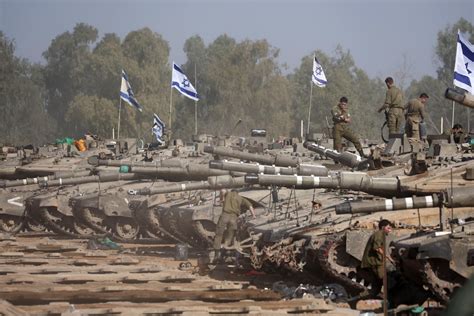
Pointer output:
277, 160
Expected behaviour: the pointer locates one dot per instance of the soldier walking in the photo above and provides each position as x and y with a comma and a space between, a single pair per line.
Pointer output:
227, 224
415, 114
394, 104
372, 260
342, 119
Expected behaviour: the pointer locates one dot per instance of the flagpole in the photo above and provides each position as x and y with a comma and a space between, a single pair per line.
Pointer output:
452, 116
171, 102
118, 125
309, 112
195, 104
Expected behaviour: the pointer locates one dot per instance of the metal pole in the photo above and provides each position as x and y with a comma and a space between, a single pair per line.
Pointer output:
442, 127
452, 116
118, 125
468, 120
385, 283
310, 99
195, 104
169, 121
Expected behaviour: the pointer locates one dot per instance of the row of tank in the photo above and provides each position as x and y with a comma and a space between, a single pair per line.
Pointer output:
136, 200
129, 204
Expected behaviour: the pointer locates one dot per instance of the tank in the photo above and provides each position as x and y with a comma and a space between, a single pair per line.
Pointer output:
188, 218
51, 206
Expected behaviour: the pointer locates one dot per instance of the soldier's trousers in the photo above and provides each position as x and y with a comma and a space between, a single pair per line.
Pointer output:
340, 131
395, 120
227, 224
413, 128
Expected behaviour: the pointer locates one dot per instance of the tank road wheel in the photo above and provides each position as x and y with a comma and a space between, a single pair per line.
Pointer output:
83, 229
126, 228
94, 219
206, 229
440, 279
11, 224
35, 226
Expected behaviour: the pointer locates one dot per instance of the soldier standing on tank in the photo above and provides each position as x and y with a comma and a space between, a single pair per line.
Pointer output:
342, 119
233, 203
394, 104
372, 260
415, 114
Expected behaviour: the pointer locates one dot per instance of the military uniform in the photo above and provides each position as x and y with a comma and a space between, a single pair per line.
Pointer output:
227, 223
341, 129
415, 113
372, 260
394, 103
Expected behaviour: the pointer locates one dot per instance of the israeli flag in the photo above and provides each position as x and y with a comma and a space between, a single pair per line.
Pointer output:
464, 65
126, 92
319, 78
180, 82
158, 128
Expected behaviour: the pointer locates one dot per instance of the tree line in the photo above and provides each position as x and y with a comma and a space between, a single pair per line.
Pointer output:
77, 89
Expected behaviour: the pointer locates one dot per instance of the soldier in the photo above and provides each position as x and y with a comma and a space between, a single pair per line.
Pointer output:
341, 119
457, 134
372, 260
415, 114
394, 104
232, 204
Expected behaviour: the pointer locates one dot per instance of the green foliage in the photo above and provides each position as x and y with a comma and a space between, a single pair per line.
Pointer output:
78, 88
23, 118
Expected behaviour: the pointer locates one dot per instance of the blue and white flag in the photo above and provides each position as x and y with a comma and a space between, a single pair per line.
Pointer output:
319, 78
181, 83
126, 92
158, 128
464, 65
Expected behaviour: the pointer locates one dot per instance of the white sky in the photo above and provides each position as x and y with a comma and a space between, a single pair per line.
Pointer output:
381, 35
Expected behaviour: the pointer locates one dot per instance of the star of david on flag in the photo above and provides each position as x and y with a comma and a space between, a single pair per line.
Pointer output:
464, 65
126, 92
180, 82
318, 77
158, 128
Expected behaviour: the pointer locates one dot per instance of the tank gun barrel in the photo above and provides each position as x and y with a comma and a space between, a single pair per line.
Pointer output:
462, 98
277, 160
192, 172
347, 159
458, 197
40, 180
95, 161
102, 177
213, 183
301, 169
339, 180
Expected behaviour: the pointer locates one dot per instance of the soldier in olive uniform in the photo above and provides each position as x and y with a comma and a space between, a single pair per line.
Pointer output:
232, 205
372, 260
415, 114
457, 134
341, 119
394, 104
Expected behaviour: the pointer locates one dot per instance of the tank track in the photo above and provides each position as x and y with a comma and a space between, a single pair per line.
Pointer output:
85, 216
331, 266
438, 286
52, 223
11, 224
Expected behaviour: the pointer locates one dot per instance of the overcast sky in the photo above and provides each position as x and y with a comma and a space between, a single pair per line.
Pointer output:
381, 35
